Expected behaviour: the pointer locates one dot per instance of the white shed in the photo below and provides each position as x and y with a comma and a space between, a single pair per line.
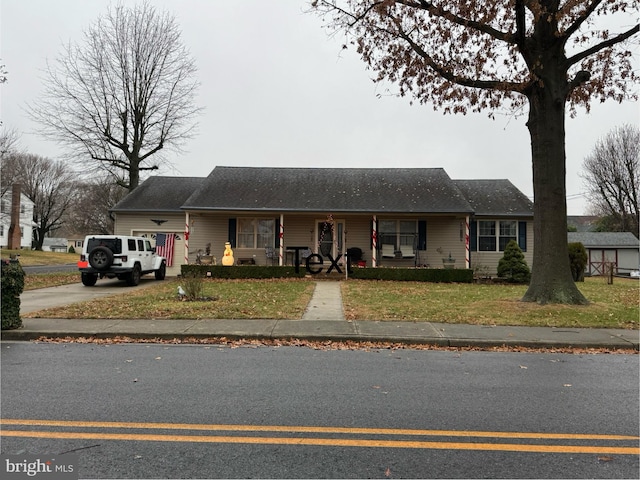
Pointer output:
619, 248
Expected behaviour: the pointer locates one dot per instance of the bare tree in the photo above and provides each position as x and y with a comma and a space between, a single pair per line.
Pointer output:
461, 56
49, 185
123, 95
8, 145
612, 177
96, 197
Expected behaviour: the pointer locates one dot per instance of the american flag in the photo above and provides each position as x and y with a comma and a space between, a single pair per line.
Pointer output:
164, 246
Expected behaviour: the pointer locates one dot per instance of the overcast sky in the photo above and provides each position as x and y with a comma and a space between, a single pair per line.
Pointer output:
277, 91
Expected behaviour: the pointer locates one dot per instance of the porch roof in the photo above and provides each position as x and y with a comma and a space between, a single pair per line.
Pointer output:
159, 194
358, 190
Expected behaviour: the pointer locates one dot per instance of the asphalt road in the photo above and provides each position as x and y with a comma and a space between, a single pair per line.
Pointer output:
179, 411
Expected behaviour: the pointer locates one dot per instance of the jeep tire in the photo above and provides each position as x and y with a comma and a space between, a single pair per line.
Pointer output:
89, 279
161, 272
133, 278
101, 258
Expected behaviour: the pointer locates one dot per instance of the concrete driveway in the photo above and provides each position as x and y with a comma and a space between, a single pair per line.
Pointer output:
34, 300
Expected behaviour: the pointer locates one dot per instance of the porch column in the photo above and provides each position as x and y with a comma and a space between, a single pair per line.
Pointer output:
281, 242
186, 238
374, 242
467, 254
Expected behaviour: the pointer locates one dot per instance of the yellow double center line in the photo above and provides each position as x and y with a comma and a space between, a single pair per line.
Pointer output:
323, 441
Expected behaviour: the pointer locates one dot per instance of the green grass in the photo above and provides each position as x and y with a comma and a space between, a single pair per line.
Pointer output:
242, 299
613, 306
55, 279
35, 257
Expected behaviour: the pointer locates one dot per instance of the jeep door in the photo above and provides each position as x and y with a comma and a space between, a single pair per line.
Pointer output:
146, 255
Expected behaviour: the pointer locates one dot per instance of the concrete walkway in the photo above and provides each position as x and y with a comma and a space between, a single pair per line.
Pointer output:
326, 303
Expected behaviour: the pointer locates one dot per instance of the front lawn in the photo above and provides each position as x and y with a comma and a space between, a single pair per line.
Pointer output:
285, 299
614, 306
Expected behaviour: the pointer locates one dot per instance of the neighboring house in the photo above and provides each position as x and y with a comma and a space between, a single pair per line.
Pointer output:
618, 248
396, 217
26, 220
52, 244
75, 241
582, 223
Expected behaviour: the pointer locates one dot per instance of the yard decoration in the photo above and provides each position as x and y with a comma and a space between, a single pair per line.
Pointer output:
227, 256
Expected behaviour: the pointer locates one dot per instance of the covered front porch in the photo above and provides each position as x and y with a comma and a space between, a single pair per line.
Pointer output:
370, 240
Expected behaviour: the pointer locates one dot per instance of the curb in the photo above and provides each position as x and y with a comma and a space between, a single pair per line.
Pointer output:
18, 335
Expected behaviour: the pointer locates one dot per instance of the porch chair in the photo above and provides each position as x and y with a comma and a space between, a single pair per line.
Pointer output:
407, 251
388, 250
271, 254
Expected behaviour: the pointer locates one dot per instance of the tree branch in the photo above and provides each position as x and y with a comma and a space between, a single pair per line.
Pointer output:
582, 18
463, 81
602, 45
458, 20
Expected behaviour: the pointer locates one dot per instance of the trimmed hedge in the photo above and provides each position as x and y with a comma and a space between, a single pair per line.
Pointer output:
12, 287
439, 275
244, 271
436, 275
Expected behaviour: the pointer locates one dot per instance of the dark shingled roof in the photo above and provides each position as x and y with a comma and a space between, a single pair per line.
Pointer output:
495, 198
166, 194
398, 190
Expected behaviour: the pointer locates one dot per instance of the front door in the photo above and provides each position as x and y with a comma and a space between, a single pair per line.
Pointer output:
330, 235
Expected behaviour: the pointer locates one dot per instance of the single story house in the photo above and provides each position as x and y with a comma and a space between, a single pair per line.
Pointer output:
618, 248
392, 216
54, 244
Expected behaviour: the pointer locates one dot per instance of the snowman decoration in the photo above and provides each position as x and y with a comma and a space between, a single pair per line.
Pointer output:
227, 256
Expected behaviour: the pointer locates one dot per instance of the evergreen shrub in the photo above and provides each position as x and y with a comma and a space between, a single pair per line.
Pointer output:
512, 266
578, 259
12, 287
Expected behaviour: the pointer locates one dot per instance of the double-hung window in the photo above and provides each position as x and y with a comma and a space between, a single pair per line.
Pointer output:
508, 232
256, 232
397, 232
494, 235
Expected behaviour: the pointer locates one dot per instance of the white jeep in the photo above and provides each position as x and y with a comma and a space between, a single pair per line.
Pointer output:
121, 256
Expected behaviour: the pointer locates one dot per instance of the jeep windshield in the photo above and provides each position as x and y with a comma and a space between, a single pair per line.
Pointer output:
113, 244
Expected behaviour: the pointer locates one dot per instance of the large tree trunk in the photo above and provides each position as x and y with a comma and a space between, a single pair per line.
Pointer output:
551, 280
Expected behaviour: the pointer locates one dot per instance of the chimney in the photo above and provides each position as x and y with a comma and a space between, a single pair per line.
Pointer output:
14, 228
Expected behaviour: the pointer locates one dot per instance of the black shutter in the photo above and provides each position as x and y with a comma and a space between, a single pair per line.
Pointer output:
422, 235
522, 236
473, 236
277, 235
232, 232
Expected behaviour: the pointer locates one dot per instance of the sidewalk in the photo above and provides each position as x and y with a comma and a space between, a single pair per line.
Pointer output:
323, 320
